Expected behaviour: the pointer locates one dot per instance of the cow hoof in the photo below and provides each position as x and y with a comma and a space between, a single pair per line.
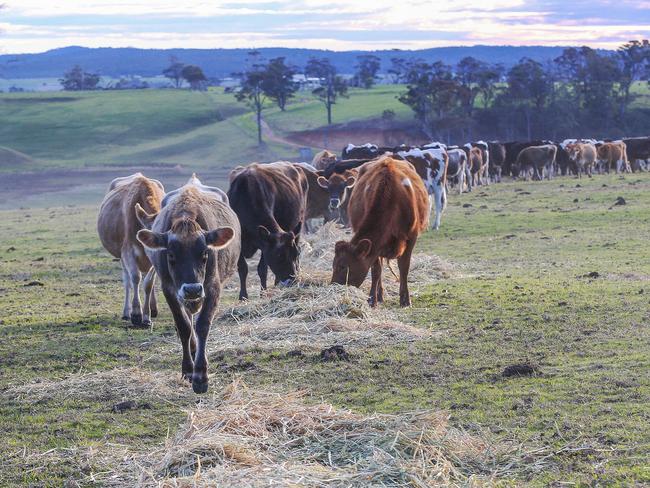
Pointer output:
186, 376
199, 388
372, 302
126, 317
147, 323
243, 298
405, 302
136, 319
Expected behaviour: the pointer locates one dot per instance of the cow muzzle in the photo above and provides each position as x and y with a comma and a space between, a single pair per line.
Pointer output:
335, 203
191, 294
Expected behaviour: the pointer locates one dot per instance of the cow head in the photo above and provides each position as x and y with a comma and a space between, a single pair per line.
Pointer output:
351, 262
281, 252
188, 250
338, 187
574, 151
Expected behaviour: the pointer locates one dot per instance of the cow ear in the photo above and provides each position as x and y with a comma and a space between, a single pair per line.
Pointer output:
322, 182
363, 247
219, 238
146, 219
263, 232
351, 181
151, 239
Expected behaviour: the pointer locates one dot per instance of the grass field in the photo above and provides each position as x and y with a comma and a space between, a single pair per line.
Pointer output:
550, 274
196, 129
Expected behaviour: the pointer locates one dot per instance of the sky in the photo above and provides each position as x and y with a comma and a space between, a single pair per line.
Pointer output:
38, 25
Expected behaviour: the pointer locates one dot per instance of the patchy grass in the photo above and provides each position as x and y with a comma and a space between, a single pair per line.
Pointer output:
539, 278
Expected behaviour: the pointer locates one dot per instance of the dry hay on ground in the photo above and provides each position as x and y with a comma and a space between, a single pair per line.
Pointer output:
316, 313
254, 438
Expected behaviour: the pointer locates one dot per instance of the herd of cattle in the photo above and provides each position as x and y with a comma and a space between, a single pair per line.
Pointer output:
195, 237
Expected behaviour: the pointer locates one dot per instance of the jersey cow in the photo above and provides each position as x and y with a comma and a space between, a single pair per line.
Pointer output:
323, 159
193, 245
270, 201
118, 225
583, 156
388, 210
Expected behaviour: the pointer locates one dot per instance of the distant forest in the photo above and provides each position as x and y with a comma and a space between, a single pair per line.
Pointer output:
219, 63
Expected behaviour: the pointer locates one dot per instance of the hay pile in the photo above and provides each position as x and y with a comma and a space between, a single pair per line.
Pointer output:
259, 439
316, 313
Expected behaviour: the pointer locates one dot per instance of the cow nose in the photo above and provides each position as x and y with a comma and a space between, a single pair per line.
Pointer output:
192, 291
335, 203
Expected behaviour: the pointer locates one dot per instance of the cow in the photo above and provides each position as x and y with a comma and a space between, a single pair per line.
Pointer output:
388, 210
583, 156
270, 201
194, 244
457, 170
367, 151
431, 165
512, 151
613, 155
481, 172
638, 151
323, 159
219, 193
117, 225
497, 158
534, 160
339, 188
474, 163
317, 197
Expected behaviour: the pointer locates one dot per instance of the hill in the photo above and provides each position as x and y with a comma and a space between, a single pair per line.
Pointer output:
115, 62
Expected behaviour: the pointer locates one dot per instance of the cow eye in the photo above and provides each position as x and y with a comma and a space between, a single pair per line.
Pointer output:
171, 258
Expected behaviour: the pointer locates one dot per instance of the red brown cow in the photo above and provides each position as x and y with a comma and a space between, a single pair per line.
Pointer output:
118, 225
389, 208
613, 155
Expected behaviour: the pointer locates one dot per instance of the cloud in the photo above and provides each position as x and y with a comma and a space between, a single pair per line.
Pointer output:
36, 25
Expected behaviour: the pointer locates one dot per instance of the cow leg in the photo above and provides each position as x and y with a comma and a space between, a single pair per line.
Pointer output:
149, 297
263, 271
440, 200
242, 268
404, 263
461, 181
468, 178
126, 310
183, 324
376, 282
135, 276
203, 323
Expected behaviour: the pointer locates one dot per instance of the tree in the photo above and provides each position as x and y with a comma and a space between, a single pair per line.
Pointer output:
400, 67
194, 76
77, 79
278, 82
174, 71
634, 58
367, 69
468, 71
252, 92
333, 85
528, 88
434, 95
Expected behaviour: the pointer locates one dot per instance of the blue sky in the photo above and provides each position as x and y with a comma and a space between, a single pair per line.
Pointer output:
37, 25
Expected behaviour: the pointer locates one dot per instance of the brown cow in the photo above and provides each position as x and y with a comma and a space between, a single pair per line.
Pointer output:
389, 208
583, 155
118, 225
323, 159
475, 164
613, 155
339, 188
193, 244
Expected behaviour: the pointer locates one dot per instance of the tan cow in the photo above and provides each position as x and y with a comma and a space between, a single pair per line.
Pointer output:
323, 159
118, 225
535, 161
614, 155
583, 156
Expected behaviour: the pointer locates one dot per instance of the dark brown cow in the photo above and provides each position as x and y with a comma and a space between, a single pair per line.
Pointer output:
270, 201
118, 225
193, 244
388, 209
534, 160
